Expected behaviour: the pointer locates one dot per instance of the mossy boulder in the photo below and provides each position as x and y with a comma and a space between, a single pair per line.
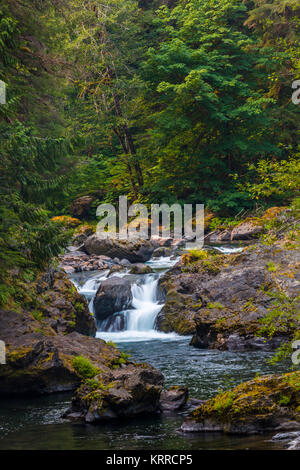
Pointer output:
127, 391
179, 289
264, 404
38, 364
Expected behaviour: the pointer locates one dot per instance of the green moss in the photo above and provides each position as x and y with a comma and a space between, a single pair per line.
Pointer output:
215, 305
223, 402
18, 354
84, 368
284, 400
79, 307
272, 267
259, 397
123, 359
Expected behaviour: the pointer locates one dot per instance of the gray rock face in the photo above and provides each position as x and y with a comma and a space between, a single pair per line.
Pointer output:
113, 295
246, 231
135, 252
237, 342
173, 399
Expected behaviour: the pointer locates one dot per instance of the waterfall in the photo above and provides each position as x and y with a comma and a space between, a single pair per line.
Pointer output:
136, 323
145, 306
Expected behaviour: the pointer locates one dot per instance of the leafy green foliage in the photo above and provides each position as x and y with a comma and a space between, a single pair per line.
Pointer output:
279, 179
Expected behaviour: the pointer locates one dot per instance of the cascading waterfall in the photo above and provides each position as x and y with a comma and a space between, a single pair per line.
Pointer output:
138, 322
142, 315
145, 306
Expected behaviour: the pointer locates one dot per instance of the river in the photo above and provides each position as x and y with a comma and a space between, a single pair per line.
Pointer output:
36, 423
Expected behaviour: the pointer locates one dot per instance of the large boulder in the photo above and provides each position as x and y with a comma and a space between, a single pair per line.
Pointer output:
127, 391
265, 404
178, 312
114, 294
135, 251
61, 307
81, 206
247, 230
39, 364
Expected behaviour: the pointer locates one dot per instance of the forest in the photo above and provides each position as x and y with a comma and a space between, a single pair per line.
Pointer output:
164, 101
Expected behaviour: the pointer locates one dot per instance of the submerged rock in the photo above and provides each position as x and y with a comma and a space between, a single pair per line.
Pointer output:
265, 404
135, 252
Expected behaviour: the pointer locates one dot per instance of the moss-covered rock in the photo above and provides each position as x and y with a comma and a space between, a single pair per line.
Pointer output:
126, 391
265, 404
233, 301
45, 324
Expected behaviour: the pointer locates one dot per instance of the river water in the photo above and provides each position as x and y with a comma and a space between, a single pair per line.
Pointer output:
37, 424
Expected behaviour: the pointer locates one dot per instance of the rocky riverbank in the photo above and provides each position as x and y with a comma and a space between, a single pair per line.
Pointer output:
226, 301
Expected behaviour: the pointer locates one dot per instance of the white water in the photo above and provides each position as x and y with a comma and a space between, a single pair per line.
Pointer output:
140, 320
145, 306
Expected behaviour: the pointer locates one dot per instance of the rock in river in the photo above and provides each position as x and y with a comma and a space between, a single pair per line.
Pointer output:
114, 294
136, 251
265, 404
129, 390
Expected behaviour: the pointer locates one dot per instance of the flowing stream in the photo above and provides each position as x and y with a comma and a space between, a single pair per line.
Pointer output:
37, 424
